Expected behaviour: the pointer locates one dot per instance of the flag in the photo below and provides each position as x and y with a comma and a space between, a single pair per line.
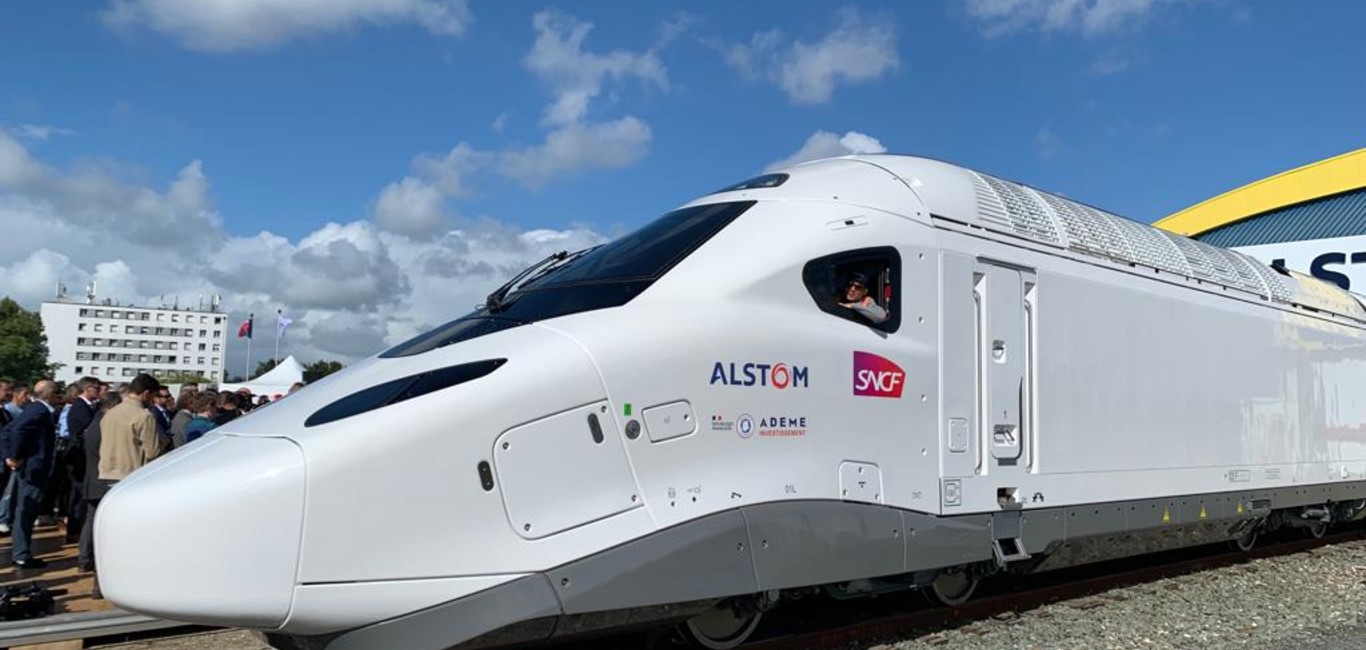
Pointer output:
282, 323
244, 330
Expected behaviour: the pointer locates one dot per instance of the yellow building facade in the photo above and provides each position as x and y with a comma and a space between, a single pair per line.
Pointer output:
1311, 219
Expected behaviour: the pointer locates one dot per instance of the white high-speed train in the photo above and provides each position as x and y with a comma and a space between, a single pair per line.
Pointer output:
686, 425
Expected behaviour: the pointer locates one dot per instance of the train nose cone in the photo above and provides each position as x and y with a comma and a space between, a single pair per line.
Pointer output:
208, 535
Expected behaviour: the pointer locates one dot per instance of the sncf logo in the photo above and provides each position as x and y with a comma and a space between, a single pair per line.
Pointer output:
875, 376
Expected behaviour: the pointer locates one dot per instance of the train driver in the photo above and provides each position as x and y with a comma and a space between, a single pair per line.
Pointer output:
856, 297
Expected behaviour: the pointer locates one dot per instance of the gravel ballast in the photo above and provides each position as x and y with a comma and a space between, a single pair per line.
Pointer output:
1304, 601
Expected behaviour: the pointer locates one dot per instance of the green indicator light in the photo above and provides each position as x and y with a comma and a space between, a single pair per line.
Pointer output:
627, 409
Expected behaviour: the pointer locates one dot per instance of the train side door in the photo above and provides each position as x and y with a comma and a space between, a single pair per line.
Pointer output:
1003, 304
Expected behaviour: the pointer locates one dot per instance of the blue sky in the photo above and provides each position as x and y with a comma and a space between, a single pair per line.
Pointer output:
396, 121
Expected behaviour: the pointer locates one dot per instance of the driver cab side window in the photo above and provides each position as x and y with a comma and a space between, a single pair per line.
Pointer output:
862, 286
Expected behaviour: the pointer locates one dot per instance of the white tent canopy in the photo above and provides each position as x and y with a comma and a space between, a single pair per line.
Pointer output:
275, 382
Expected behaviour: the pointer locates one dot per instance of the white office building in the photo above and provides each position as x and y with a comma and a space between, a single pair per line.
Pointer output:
114, 342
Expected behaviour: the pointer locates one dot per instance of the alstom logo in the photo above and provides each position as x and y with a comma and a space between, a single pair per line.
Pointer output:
777, 375
875, 376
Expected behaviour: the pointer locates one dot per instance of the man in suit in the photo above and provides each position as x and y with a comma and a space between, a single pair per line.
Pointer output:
160, 408
30, 454
78, 419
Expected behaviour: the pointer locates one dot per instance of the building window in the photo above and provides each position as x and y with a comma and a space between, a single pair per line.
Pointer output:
203, 333
127, 358
161, 317
94, 370
142, 344
128, 372
217, 347
218, 334
80, 327
99, 327
99, 313
218, 320
142, 358
80, 341
175, 318
80, 369
215, 361
85, 312
201, 347
110, 370
201, 361
82, 356
203, 319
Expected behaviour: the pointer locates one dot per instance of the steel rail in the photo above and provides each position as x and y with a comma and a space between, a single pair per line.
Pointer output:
79, 625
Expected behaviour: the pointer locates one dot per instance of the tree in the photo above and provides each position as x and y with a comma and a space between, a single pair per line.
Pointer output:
265, 367
23, 346
319, 369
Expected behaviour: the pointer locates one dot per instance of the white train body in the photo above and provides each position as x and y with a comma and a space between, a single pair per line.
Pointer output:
1050, 375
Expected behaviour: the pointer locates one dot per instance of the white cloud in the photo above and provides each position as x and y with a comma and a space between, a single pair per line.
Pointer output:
1047, 143
573, 147
1090, 18
352, 288
411, 207
824, 144
857, 50
575, 76
574, 142
36, 132
228, 25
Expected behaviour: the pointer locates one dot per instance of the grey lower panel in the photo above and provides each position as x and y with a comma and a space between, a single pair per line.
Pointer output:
706, 558
680, 570
443, 626
934, 542
800, 543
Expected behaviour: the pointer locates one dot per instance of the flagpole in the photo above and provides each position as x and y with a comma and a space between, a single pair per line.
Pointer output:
277, 335
246, 374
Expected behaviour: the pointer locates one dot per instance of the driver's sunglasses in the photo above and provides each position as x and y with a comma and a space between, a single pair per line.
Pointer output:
857, 285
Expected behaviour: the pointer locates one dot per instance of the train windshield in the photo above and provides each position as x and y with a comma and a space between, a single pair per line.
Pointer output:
645, 254
607, 276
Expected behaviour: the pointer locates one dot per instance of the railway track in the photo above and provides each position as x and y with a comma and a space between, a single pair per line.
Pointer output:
87, 626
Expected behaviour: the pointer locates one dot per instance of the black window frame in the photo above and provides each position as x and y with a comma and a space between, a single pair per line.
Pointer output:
823, 283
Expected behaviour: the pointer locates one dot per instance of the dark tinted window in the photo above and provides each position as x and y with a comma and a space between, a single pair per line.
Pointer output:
398, 390
648, 253
608, 276
878, 269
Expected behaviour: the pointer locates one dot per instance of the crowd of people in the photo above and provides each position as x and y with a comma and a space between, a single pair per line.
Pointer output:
64, 449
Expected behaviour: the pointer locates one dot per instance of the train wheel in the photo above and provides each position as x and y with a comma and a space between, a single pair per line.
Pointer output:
1316, 530
953, 587
720, 628
1246, 542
